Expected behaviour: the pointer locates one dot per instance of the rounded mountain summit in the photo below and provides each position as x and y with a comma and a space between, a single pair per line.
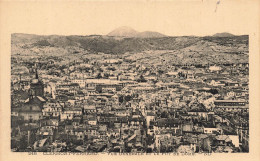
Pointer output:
125, 31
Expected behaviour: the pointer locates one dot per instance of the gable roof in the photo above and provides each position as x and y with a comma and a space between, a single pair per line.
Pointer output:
223, 138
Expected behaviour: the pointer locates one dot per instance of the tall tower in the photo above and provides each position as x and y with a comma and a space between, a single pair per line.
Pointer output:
37, 87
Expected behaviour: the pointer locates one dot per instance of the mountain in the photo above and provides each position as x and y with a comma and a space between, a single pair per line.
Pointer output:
149, 34
223, 34
123, 32
188, 49
129, 32
24, 38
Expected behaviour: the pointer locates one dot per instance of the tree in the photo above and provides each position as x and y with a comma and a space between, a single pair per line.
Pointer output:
160, 71
141, 79
213, 91
85, 60
155, 81
99, 76
121, 99
128, 98
164, 114
106, 75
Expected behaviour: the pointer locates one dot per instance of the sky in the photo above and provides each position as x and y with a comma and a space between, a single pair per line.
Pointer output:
175, 18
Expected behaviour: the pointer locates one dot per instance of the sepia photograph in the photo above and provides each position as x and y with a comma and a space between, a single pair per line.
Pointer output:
130, 91
130, 78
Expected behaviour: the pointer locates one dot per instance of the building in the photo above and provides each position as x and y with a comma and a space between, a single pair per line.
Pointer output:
32, 109
231, 105
36, 86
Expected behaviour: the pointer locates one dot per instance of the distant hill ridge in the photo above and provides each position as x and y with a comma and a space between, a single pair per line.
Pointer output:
129, 32
223, 34
147, 41
184, 49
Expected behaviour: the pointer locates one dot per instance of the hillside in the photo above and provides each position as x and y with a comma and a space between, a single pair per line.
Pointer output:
130, 33
189, 47
223, 34
149, 34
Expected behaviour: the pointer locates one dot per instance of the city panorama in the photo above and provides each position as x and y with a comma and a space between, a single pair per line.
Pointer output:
130, 92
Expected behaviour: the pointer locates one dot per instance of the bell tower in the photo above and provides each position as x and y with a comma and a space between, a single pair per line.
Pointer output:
37, 87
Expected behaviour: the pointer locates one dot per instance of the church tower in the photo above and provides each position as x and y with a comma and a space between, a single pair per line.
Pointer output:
37, 87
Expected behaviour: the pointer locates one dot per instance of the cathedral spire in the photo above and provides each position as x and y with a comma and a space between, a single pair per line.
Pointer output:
36, 71
36, 74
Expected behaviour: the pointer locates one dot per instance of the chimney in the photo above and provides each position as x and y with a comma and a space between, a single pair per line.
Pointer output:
20, 78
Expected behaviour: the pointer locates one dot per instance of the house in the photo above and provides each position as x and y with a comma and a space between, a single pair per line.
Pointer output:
90, 109
150, 117
22, 85
222, 140
69, 113
216, 82
187, 127
102, 130
172, 126
90, 119
191, 141
52, 109
190, 75
76, 121
163, 141
136, 122
40, 145
121, 113
15, 112
91, 131
45, 133
50, 123
188, 95
115, 133
198, 110
231, 105
79, 133
212, 130
73, 88
215, 68
80, 82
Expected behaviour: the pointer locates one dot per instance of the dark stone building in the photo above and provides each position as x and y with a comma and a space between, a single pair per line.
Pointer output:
37, 87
